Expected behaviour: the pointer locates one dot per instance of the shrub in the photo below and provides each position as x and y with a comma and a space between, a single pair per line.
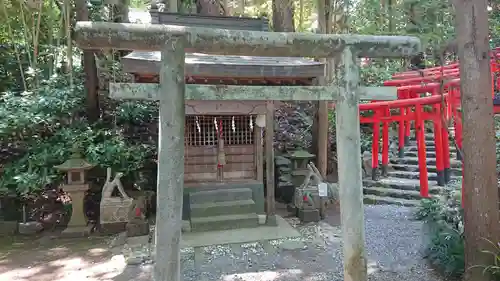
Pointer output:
443, 217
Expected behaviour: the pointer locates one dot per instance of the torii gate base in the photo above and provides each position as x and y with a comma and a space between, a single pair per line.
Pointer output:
172, 93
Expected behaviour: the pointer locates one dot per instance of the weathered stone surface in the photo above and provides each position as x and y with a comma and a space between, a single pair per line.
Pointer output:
309, 215
137, 227
100, 35
186, 226
30, 228
148, 91
170, 189
114, 209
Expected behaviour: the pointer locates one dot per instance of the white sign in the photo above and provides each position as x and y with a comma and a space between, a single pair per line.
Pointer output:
323, 189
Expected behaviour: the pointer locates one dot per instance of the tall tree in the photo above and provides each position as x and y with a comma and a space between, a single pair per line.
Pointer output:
283, 16
480, 182
90, 68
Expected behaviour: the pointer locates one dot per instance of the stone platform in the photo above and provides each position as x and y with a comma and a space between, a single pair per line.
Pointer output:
240, 236
141, 249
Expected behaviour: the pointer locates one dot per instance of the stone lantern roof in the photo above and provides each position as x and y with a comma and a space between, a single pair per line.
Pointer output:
75, 163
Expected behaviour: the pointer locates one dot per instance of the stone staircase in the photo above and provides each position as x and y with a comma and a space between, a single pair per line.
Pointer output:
402, 185
222, 209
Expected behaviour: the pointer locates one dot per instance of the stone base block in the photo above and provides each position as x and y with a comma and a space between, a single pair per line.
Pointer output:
75, 232
309, 215
186, 226
271, 220
137, 228
112, 228
262, 219
30, 228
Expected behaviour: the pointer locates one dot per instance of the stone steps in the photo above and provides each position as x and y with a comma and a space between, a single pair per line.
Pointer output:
456, 171
429, 148
414, 175
414, 161
224, 222
220, 195
378, 200
391, 192
402, 184
428, 154
222, 209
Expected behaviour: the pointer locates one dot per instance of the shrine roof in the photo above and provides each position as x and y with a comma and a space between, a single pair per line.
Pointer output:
203, 65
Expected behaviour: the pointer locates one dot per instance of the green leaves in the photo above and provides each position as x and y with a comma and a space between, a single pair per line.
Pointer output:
38, 130
443, 217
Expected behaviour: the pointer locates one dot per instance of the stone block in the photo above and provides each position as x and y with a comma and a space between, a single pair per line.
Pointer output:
186, 226
309, 215
262, 219
30, 228
112, 228
137, 227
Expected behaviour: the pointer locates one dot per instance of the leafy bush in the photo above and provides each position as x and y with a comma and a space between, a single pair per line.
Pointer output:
444, 220
39, 130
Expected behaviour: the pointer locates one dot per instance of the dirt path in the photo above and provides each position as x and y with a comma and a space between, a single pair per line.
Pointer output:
58, 260
394, 244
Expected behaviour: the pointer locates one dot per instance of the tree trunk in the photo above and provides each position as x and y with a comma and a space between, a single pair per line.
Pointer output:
208, 7
90, 69
480, 189
283, 16
321, 135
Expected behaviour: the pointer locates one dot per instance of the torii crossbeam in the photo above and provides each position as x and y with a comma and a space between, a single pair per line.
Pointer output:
174, 41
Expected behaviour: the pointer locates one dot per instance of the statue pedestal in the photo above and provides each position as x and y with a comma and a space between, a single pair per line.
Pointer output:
77, 225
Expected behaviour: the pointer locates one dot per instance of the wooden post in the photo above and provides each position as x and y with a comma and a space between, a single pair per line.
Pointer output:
480, 187
170, 162
349, 169
259, 155
269, 150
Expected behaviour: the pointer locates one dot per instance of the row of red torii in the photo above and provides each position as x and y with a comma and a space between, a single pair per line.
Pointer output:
175, 41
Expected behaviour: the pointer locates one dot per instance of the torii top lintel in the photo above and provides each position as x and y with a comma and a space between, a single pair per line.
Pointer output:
152, 37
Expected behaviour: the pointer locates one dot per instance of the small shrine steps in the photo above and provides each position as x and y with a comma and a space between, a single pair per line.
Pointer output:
222, 209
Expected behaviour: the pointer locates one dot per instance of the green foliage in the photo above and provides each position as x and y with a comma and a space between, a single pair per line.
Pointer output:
30, 115
45, 125
443, 217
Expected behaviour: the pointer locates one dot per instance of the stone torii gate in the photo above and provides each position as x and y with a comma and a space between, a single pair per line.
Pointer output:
175, 41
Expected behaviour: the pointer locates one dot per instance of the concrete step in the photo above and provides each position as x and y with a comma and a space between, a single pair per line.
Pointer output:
379, 200
430, 168
402, 184
224, 222
429, 148
391, 192
414, 161
413, 175
429, 136
220, 195
429, 154
222, 208
427, 143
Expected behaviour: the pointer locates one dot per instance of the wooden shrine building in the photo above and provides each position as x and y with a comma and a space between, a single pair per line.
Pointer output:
224, 147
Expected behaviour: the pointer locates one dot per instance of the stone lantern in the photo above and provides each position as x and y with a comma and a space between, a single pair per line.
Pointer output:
76, 168
300, 159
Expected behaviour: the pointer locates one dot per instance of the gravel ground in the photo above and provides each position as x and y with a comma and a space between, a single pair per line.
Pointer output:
394, 247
